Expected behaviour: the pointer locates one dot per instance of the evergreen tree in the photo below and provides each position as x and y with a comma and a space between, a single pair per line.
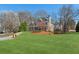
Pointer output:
77, 27
23, 26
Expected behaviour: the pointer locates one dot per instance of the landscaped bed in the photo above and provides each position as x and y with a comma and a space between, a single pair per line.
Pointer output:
42, 32
36, 43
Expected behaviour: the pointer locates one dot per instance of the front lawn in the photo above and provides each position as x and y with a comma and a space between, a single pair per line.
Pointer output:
41, 44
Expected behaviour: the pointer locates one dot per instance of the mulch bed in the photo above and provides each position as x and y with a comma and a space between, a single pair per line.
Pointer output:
42, 32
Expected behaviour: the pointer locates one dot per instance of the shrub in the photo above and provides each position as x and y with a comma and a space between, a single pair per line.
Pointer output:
77, 27
57, 31
23, 26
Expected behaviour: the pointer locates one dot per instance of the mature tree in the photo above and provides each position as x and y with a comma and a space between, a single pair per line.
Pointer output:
11, 22
25, 16
1, 22
66, 17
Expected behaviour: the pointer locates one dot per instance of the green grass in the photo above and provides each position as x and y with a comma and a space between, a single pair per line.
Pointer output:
41, 44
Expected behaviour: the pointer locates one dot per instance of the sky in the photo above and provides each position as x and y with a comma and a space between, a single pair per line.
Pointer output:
49, 8
33, 7
29, 7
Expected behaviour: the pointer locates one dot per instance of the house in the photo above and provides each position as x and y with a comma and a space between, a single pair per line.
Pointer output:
39, 25
43, 24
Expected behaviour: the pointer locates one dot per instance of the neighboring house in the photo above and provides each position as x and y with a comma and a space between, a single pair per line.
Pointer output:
72, 27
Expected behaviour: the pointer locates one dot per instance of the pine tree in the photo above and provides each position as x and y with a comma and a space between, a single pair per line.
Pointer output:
77, 27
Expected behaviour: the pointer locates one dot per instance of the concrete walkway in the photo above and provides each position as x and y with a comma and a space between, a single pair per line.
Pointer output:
6, 38
2, 37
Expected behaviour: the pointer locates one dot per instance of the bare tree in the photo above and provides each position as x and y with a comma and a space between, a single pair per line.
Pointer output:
41, 13
1, 20
25, 16
11, 22
66, 17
